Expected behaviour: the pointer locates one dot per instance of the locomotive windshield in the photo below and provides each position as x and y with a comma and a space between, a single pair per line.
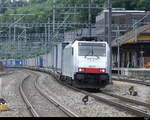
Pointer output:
92, 49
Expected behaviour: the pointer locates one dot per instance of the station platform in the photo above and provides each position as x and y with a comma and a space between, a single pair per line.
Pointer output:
133, 69
137, 73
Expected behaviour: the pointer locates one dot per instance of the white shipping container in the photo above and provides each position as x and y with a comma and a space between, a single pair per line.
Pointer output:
45, 60
31, 62
59, 57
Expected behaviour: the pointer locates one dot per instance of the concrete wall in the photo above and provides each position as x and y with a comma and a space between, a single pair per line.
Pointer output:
135, 73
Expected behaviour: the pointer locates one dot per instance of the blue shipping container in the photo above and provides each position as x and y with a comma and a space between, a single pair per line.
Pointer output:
40, 62
18, 62
10, 63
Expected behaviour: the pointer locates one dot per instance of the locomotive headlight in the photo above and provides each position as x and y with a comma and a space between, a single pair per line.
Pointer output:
103, 70
80, 69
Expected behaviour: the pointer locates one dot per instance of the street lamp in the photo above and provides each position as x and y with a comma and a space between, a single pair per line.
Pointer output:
142, 58
110, 37
118, 56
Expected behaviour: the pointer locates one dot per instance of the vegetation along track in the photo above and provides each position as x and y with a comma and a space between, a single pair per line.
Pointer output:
123, 102
34, 113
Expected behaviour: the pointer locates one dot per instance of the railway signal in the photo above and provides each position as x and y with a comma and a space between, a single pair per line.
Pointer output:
85, 99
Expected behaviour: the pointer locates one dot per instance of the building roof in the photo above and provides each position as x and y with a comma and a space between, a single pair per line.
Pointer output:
126, 11
115, 10
140, 34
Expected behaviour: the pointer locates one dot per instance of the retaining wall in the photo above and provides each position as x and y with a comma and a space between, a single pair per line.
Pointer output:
140, 73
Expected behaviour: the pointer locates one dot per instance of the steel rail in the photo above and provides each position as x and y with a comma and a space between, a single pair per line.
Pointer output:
56, 103
4, 74
130, 108
29, 105
127, 99
7, 73
132, 81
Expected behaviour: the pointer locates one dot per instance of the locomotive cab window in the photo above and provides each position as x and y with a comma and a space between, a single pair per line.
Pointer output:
92, 49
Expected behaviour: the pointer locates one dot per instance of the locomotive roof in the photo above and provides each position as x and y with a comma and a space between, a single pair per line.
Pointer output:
88, 39
76, 42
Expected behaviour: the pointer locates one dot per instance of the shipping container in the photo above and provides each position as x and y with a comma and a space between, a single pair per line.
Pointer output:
39, 61
4, 62
30, 62
10, 63
18, 63
59, 54
50, 60
45, 60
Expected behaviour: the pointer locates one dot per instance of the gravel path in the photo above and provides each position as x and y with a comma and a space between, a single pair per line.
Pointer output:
10, 92
43, 107
73, 100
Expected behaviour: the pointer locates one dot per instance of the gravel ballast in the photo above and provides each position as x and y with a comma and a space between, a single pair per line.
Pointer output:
10, 92
43, 107
69, 98
73, 100
122, 88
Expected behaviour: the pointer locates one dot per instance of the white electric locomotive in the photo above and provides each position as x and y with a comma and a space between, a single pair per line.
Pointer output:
85, 64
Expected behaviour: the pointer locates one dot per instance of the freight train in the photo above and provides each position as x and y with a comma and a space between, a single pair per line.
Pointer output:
86, 64
82, 63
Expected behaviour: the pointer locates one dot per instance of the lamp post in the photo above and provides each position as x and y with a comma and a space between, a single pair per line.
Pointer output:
118, 56
142, 58
110, 38
118, 43
89, 18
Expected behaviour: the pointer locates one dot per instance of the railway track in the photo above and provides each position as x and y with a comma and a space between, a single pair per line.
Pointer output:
131, 81
27, 102
127, 99
46, 96
68, 112
123, 101
8, 72
121, 104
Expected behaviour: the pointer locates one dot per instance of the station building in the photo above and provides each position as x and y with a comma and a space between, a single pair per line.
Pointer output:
130, 37
122, 21
134, 49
